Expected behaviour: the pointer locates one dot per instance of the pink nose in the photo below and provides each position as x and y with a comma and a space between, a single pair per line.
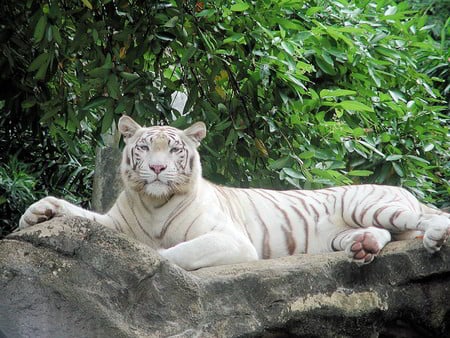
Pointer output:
157, 168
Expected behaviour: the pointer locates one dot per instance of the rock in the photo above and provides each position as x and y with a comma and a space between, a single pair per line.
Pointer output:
70, 277
107, 181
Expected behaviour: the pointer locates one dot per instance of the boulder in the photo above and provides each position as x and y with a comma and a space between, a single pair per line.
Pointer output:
71, 277
107, 183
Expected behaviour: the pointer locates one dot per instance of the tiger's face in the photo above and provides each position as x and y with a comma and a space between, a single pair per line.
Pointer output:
160, 161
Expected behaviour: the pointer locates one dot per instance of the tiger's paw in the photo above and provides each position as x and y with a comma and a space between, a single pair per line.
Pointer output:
436, 236
41, 211
363, 247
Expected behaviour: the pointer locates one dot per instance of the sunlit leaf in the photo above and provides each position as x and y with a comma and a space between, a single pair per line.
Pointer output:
360, 173
355, 105
87, 3
239, 7
325, 93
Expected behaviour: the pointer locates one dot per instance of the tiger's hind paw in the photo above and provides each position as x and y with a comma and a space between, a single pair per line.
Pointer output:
363, 248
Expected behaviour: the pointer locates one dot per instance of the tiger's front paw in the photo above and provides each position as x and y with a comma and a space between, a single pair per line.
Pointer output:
41, 211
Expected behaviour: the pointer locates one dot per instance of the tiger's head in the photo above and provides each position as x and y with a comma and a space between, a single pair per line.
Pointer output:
160, 161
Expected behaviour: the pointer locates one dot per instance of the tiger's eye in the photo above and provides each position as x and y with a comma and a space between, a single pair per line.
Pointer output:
175, 150
143, 147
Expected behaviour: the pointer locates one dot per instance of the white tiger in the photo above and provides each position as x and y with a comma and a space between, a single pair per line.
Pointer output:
168, 205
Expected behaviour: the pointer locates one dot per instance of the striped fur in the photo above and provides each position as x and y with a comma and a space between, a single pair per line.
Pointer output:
168, 205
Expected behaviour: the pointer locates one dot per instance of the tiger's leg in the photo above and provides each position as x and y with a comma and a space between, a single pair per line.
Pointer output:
50, 207
437, 230
210, 249
361, 245
398, 219
434, 224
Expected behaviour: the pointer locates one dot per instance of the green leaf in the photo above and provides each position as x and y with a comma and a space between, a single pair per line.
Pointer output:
371, 147
107, 121
391, 10
428, 147
205, 13
385, 137
172, 22
42, 71
96, 102
139, 107
165, 36
239, 7
294, 173
87, 3
417, 159
239, 38
398, 169
108, 62
280, 163
396, 96
100, 72
360, 173
188, 54
39, 30
355, 105
374, 77
49, 34
313, 10
325, 66
290, 24
394, 157
37, 63
57, 35
28, 103
429, 90
325, 93
129, 76
113, 86
288, 48
306, 155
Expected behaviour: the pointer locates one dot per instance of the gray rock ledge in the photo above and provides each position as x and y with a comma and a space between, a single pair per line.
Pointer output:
70, 277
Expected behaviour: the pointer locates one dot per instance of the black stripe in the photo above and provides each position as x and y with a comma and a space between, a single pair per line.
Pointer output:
165, 202
376, 214
126, 222
135, 216
306, 226
116, 224
144, 205
266, 250
189, 227
274, 202
174, 214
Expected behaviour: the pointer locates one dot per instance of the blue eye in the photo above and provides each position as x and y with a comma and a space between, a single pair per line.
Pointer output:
142, 147
175, 150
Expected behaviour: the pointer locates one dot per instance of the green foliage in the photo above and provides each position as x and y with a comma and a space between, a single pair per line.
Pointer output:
16, 192
21, 184
295, 93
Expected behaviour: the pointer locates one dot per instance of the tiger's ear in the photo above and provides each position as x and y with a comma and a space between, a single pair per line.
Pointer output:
127, 126
196, 132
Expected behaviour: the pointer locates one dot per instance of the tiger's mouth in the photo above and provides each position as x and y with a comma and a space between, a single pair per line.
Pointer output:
157, 181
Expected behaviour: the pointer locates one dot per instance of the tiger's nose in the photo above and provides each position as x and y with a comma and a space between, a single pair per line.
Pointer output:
157, 168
